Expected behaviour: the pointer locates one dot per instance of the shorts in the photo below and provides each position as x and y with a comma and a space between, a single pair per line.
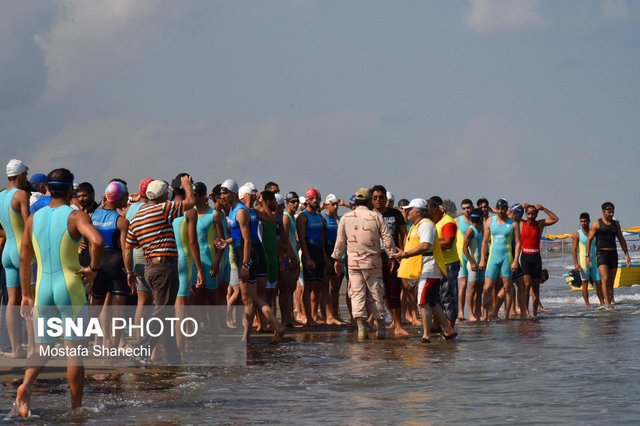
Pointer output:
234, 280
449, 291
332, 270
473, 276
111, 277
531, 264
141, 283
499, 265
429, 291
592, 274
464, 271
317, 273
608, 258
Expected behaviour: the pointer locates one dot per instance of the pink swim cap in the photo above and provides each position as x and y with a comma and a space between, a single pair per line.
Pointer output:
114, 191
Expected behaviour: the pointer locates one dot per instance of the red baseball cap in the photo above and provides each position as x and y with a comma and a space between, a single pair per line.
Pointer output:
144, 183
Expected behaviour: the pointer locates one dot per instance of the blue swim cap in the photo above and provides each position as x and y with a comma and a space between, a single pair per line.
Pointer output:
517, 209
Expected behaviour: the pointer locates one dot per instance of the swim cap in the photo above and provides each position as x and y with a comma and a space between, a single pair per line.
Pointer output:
280, 200
502, 203
144, 184
200, 188
311, 193
517, 210
292, 195
331, 198
230, 185
114, 191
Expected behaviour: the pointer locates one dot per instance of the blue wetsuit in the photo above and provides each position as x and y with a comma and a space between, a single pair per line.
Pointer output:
500, 254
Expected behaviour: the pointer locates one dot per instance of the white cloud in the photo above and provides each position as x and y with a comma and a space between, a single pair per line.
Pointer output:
490, 16
99, 40
615, 10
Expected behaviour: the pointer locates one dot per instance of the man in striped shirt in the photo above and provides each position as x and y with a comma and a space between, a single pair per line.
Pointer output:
151, 230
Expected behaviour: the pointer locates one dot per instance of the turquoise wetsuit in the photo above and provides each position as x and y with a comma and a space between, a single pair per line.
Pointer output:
292, 235
475, 246
59, 292
224, 274
500, 255
185, 259
592, 273
462, 230
13, 225
206, 241
138, 256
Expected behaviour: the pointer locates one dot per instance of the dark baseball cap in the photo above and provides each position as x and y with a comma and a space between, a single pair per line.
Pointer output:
292, 195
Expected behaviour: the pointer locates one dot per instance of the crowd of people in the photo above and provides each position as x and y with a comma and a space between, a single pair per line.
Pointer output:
183, 243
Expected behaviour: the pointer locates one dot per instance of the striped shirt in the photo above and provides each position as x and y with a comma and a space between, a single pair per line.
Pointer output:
151, 229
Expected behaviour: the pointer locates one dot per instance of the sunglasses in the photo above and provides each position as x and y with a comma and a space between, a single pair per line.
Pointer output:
294, 201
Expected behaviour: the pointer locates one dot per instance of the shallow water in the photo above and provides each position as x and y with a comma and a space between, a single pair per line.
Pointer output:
570, 366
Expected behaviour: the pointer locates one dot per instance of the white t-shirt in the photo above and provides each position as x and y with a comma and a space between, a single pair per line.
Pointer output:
427, 234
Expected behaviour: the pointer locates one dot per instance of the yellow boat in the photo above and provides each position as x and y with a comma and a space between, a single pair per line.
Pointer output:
626, 277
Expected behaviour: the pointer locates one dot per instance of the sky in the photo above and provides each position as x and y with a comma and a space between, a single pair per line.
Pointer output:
530, 100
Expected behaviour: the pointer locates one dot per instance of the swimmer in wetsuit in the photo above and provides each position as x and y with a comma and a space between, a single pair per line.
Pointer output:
605, 231
463, 222
579, 250
14, 212
54, 234
499, 260
240, 224
530, 259
111, 278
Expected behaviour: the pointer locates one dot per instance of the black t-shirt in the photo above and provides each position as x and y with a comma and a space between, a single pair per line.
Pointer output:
395, 223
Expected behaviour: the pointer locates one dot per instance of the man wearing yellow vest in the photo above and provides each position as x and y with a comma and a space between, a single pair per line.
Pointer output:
446, 255
418, 264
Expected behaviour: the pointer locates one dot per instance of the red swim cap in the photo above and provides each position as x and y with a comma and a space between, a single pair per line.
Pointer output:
144, 183
312, 193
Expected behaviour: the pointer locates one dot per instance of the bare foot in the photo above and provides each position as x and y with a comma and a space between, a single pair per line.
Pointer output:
19, 354
415, 322
473, 319
400, 332
333, 322
23, 399
231, 323
277, 336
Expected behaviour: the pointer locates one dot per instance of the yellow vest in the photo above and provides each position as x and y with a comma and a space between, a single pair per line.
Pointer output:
443, 257
411, 268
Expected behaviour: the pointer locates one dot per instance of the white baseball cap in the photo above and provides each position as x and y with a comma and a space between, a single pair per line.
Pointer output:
280, 200
230, 185
15, 168
417, 203
331, 198
157, 189
302, 200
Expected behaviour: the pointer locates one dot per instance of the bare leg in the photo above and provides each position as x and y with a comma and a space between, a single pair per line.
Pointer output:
599, 292
585, 293
487, 298
425, 311
181, 301
462, 297
606, 274
75, 376
471, 296
13, 321
507, 284
535, 296
145, 298
233, 293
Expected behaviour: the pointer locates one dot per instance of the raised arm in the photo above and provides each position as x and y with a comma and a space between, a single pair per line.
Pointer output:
189, 199
553, 218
